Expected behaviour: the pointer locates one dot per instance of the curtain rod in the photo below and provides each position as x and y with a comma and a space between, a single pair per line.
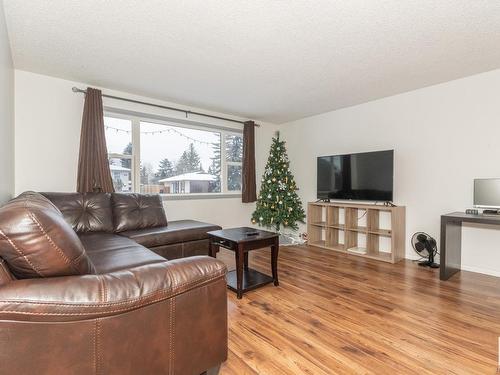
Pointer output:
187, 112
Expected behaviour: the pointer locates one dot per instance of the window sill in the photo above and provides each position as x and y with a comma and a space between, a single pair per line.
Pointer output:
181, 197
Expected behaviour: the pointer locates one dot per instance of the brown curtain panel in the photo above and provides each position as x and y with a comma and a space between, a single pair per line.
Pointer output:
248, 188
93, 167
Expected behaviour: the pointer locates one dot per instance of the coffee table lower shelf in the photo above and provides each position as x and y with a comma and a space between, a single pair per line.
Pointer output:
252, 279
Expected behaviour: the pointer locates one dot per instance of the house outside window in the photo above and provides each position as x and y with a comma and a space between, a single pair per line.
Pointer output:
163, 156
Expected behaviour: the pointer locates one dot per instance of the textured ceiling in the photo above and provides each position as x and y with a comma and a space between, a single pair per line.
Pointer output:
269, 60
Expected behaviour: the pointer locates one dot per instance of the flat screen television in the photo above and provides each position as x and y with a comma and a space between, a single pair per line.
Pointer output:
366, 176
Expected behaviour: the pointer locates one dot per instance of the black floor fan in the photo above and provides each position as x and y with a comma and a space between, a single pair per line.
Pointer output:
426, 247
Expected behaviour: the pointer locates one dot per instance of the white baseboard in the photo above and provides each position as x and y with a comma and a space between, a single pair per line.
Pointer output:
484, 271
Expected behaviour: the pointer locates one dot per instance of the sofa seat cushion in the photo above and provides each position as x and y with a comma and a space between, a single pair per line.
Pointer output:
110, 252
89, 212
36, 241
137, 211
176, 232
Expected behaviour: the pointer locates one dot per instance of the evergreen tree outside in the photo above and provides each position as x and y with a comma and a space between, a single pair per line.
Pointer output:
127, 163
278, 204
234, 148
146, 171
234, 153
189, 161
165, 169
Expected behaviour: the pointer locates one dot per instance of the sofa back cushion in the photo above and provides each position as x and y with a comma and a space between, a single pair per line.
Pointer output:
89, 212
137, 211
36, 241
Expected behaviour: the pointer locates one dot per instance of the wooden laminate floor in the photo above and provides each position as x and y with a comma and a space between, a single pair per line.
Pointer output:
339, 314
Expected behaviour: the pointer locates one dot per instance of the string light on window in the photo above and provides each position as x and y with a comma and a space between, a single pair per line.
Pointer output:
168, 130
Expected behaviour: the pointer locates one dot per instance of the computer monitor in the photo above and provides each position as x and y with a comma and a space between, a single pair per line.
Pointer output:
487, 192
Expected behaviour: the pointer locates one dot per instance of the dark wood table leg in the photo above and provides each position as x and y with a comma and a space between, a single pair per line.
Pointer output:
245, 261
239, 271
274, 260
451, 248
212, 248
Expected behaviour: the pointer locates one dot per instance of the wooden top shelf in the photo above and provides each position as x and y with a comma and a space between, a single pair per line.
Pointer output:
319, 223
364, 206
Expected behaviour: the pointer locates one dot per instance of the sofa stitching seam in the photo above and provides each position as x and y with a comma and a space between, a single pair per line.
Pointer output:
99, 346
105, 290
20, 252
94, 348
88, 313
99, 288
170, 338
173, 336
51, 241
175, 289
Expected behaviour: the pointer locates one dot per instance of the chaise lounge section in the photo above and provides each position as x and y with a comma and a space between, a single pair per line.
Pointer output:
77, 296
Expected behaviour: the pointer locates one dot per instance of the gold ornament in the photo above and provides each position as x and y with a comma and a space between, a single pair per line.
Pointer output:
253, 221
274, 179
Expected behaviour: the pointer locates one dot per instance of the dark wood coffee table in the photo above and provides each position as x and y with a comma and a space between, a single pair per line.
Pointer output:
240, 240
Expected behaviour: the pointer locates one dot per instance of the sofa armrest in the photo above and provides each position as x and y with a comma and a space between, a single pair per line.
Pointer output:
73, 298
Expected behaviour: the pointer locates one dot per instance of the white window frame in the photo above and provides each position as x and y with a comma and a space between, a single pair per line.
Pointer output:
136, 118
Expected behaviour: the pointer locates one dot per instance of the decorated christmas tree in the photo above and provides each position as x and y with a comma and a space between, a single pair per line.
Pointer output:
278, 204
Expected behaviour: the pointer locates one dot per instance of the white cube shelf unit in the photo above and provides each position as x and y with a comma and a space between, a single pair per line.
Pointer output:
335, 226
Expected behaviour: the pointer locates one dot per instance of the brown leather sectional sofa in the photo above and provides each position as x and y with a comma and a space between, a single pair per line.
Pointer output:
86, 288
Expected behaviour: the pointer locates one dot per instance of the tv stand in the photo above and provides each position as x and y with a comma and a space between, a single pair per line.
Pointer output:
323, 200
491, 212
355, 229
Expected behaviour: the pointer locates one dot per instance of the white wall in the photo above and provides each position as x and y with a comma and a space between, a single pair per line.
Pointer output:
48, 120
6, 114
444, 136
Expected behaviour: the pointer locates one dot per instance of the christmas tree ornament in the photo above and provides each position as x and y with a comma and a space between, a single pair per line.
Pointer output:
287, 209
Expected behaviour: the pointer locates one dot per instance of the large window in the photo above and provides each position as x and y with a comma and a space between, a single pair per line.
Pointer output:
165, 157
